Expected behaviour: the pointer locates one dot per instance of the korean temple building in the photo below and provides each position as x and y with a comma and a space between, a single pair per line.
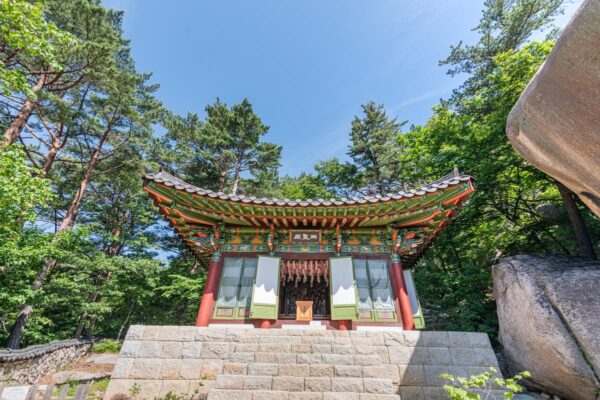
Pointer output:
342, 264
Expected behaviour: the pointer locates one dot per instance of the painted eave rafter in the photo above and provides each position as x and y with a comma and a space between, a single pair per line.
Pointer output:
191, 210
199, 205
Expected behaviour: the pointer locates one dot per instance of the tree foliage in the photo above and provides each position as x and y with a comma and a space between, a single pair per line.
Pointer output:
227, 144
27, 37
505, 25
515, 209
82, 249
375, 165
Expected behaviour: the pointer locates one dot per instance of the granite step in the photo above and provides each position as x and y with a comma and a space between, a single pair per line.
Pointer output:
308, 358
391, 372
236, 394
298, 341
305, 383
290, 335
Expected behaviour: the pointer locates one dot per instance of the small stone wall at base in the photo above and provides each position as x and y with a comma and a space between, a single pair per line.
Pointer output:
31, 363
242, 363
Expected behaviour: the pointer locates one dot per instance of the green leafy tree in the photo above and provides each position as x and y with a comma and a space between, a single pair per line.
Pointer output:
91, 57
27, 37
505, 26
105, 116
304, 187
22, 190
374, 149
375, 164
516, 208
227, 144
22, 245
340, 178
506, 213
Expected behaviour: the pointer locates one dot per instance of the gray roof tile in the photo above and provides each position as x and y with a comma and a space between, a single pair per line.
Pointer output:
172, 181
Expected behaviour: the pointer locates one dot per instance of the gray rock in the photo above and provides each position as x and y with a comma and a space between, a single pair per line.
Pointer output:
548, 309
555, 124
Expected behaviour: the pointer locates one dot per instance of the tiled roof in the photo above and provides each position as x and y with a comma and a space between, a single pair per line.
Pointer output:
169, 180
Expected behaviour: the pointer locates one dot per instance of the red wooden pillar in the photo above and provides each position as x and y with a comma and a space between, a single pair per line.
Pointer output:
210, 291
404, 301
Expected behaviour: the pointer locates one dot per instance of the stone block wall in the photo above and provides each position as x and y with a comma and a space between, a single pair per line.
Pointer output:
252, 364
31, 363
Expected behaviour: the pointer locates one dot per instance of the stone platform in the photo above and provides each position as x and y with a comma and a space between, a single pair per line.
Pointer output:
288, 364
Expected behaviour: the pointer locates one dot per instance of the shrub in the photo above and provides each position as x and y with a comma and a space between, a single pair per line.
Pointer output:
481, 386
107, 346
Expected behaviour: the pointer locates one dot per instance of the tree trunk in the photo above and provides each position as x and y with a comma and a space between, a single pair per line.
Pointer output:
379, 181
234, 187
71, 215
182, 309
16, 127
80, 325
16, 332
236, 176
49, 160
582, 236
222, 180
57, 145
126, 321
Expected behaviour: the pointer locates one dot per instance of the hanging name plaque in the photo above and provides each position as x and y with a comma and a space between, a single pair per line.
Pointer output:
305, 237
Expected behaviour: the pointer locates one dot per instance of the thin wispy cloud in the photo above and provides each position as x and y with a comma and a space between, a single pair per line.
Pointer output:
417, 99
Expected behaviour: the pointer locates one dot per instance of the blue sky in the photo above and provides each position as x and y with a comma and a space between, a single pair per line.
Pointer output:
306, 66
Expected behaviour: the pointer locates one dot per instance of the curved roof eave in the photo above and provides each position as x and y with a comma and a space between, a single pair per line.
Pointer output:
169, 180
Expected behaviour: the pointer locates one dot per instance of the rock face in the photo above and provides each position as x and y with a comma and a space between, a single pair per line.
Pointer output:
555, 124
549, 313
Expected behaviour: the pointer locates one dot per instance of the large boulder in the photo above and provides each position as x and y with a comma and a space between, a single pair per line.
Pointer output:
549, 314
555, 125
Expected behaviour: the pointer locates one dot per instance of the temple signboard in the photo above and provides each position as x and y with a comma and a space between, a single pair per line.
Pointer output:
305, 237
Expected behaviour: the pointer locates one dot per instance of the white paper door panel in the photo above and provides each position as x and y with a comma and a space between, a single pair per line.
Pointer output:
412, 293
342, 281
266, 286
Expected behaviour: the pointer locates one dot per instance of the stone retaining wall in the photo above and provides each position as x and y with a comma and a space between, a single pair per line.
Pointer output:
31, 363
227, 364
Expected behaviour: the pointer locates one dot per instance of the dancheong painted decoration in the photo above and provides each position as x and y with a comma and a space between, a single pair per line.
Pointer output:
348, 260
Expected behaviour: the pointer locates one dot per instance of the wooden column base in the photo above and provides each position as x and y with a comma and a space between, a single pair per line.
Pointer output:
265, 324
343, 325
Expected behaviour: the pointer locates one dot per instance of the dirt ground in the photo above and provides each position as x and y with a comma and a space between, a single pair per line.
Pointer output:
93, 363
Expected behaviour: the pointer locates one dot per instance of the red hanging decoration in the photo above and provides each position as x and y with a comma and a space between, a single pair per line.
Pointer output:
303, 271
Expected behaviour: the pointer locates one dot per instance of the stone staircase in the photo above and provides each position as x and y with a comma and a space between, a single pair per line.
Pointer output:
256, 364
